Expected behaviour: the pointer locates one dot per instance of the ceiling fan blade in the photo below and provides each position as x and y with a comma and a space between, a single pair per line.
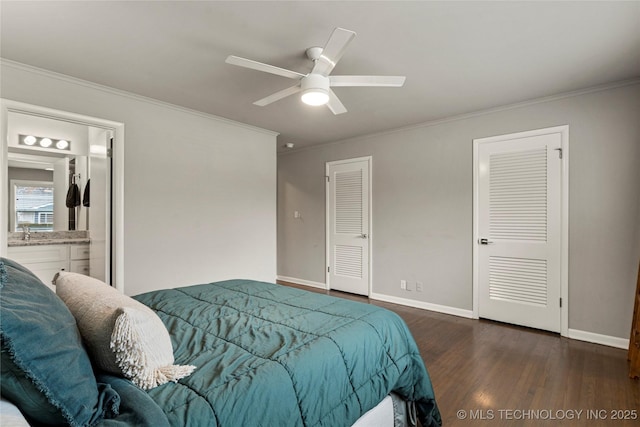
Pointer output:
381, 81
334, 104
333, 51
254, 65
278, 96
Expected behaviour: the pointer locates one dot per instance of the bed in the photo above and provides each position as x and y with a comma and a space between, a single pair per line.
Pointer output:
265, 355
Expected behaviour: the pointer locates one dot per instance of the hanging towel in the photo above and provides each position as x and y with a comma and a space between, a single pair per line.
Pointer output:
73, 196
85, 195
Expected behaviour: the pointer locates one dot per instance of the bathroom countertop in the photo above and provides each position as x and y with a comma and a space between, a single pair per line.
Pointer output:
40, 242
39, 238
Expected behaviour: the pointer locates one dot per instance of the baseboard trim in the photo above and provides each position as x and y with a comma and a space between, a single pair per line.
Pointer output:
574, 334
302, 282
388, 298
423, 305
598, 338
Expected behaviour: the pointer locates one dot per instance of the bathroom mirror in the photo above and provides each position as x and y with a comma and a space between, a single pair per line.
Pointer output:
38, 187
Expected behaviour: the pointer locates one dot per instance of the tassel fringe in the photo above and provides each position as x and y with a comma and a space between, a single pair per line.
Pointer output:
132, 360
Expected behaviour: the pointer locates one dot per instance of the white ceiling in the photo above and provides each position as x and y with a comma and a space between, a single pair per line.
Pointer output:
459, 57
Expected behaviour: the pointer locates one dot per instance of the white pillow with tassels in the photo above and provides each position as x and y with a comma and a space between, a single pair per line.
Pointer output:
123, 336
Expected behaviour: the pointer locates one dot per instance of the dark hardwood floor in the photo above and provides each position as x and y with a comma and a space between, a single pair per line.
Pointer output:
486, 373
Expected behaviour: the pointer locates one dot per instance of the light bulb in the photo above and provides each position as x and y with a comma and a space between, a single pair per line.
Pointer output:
45, 142
29, 140
315, 97
62, 144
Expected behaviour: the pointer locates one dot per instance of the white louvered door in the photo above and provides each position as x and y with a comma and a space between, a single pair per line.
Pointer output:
348, 226
519, 231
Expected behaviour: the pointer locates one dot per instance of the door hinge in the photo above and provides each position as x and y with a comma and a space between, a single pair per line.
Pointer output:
560, 302
559, 150
327, 178
328, 269
109, 152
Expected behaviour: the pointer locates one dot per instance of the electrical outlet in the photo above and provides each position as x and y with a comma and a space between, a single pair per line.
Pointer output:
418, 286
403, 285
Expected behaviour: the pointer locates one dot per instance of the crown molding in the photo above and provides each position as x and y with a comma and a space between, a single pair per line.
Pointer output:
85, 83
466, 116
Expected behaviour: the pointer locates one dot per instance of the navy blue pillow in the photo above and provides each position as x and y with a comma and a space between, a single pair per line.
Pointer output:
41, 338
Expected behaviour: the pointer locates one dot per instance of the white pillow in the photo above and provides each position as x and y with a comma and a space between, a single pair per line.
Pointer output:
10, 415
123, 336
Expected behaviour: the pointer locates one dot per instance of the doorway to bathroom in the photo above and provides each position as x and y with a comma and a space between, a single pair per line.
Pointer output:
74, 156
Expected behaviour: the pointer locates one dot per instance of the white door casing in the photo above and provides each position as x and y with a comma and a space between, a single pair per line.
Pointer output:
348, 225
520, 228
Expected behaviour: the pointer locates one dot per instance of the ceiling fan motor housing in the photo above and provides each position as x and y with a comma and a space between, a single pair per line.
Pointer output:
315, 81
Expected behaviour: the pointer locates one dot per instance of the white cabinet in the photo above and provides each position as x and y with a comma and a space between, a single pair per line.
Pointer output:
79, 259
46, 260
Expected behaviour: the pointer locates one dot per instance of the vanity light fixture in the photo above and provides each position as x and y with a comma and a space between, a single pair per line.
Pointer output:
32, 141
29, 140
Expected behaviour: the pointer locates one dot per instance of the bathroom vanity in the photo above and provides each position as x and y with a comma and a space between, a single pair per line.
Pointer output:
47, 253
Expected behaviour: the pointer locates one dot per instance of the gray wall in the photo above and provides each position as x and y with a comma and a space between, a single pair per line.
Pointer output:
422, 204
199, 191
29, 175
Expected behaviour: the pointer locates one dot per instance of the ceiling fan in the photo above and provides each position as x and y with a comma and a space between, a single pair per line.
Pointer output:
316, 85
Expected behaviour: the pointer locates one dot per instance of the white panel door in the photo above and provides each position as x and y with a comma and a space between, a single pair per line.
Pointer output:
348, 226
100, 204
519, 230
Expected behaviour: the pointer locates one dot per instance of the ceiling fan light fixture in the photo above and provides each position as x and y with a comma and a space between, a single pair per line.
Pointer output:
315, 97
315, 89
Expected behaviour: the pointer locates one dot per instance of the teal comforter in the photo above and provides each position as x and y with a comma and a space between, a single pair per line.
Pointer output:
270, 355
